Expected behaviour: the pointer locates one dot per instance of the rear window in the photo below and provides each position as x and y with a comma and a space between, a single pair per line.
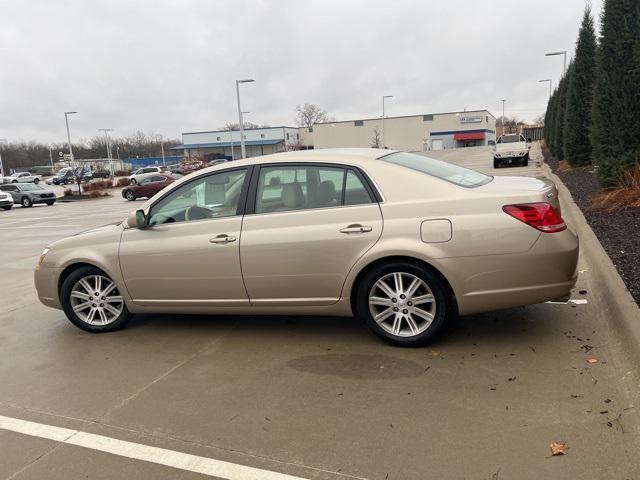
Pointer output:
446, 171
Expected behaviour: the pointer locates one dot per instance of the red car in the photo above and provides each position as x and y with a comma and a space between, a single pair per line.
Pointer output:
147, 187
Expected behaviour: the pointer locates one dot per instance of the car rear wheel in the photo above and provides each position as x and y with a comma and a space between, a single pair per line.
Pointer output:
133, 181
403, 303
36, 181
26, 202
92, 301
129, 195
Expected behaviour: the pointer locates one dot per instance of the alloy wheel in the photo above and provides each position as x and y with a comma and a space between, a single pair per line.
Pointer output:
96, 301
402, 304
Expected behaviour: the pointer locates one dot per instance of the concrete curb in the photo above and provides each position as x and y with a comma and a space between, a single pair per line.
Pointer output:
608, 291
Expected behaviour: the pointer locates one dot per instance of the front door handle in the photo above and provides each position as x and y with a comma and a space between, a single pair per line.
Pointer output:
222, 238
356, 228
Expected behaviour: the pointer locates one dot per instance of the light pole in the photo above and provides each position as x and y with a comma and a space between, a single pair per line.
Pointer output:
547, 80
106, 142
238, 82
383, 99
66, 120
563, 53
2, 140
162, 147
51, 159
503, 100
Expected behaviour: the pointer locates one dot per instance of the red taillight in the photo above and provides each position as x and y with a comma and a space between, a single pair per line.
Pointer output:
541, 216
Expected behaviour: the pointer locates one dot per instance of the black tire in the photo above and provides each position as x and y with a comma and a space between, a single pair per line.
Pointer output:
65, 299
8, 207
496, 163
525, 160
50, 203
129, 195
36, 181
26, 202
15, 181
133, 181
443, 310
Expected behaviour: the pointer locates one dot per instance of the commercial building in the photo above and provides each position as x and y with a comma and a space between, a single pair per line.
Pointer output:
258, 141
412, 133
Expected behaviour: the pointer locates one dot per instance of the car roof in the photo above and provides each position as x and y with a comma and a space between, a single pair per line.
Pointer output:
356, 156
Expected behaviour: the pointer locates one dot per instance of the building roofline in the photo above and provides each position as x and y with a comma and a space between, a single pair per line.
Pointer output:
404, 116
246, 130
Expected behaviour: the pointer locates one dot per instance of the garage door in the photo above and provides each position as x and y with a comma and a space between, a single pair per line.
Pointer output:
436, 144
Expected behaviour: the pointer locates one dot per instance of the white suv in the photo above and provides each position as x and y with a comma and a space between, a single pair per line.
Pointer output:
144, 172
21, 177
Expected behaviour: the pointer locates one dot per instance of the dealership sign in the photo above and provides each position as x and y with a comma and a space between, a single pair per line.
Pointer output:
471, 119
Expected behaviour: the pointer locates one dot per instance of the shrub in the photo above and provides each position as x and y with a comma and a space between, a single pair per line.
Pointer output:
98, 194
97, 185
123, 182
564, 166
68, 192
122, 173
628, 195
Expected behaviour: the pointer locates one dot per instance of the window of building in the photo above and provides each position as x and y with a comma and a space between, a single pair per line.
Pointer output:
427, 118
287, 135
359, 123
218, 139
310, 129
262, 135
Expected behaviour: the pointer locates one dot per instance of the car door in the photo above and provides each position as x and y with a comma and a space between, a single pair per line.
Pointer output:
145, 187
188, 255
304, 231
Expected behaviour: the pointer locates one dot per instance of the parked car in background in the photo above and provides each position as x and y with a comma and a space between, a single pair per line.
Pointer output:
101, 173
148, 187
144, 172
6, 200
63, 177
21, 177
28, 195
401, 240
511, 149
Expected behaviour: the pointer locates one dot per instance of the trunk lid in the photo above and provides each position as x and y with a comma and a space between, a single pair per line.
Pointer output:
510, 185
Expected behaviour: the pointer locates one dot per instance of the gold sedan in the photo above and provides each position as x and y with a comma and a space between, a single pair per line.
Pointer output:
404, 241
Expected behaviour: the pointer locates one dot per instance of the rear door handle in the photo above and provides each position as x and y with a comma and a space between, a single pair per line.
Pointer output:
356, 228
222, 238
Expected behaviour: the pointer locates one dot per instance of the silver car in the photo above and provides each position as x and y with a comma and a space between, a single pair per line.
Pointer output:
28, 194
6, 201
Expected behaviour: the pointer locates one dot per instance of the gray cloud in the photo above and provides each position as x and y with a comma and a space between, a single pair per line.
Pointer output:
170, 67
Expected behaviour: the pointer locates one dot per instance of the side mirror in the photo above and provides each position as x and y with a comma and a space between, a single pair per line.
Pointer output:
137, 219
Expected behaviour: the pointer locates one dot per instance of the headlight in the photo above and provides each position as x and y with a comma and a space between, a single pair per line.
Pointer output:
42, 255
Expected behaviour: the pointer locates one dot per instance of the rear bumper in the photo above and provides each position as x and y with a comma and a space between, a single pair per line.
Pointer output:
545, 272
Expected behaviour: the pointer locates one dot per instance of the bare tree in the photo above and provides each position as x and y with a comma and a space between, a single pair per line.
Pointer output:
247, 125
376, 140
308, 114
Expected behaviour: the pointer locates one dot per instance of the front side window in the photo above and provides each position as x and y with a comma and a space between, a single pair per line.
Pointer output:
212, 196
300, 187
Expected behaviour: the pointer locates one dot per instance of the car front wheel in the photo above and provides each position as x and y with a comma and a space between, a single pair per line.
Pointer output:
8, 207
92, 301
26, 202
404, 303
129, 195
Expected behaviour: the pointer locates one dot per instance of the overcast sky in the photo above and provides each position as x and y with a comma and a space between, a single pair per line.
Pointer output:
169, 66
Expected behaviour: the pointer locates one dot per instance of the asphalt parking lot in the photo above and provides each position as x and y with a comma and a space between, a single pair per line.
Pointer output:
317, 398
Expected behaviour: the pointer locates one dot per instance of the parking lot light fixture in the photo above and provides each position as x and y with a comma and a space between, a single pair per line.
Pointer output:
2, 140
159, 136
550, 82
106, 141
563, 53
238, 82
384, 97
66, 120
503, 101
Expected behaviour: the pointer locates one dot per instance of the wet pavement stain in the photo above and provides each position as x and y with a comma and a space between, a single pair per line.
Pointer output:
353, 365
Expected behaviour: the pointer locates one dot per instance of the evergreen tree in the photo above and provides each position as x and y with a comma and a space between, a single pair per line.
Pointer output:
549, 124
558, 137
616, 91
579, 87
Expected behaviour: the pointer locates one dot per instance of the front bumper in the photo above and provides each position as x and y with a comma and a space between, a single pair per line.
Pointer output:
46, 282
5, 202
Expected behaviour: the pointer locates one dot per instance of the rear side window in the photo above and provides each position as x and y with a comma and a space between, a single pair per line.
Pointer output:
461, 176
300, 187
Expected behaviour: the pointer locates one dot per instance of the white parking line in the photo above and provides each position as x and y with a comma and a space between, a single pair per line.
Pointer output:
138, 451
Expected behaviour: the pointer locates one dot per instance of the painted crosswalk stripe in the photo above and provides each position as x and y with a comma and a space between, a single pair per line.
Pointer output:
138, 451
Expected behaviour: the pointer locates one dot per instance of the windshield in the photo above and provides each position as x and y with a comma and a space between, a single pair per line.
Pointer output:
15, 174
28, 187
510, 139
446, 171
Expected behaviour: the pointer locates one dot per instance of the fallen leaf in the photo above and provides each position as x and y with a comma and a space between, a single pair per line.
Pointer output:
592, 360
558, 448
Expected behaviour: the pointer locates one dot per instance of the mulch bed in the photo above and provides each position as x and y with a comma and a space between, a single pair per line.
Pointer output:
618, 232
